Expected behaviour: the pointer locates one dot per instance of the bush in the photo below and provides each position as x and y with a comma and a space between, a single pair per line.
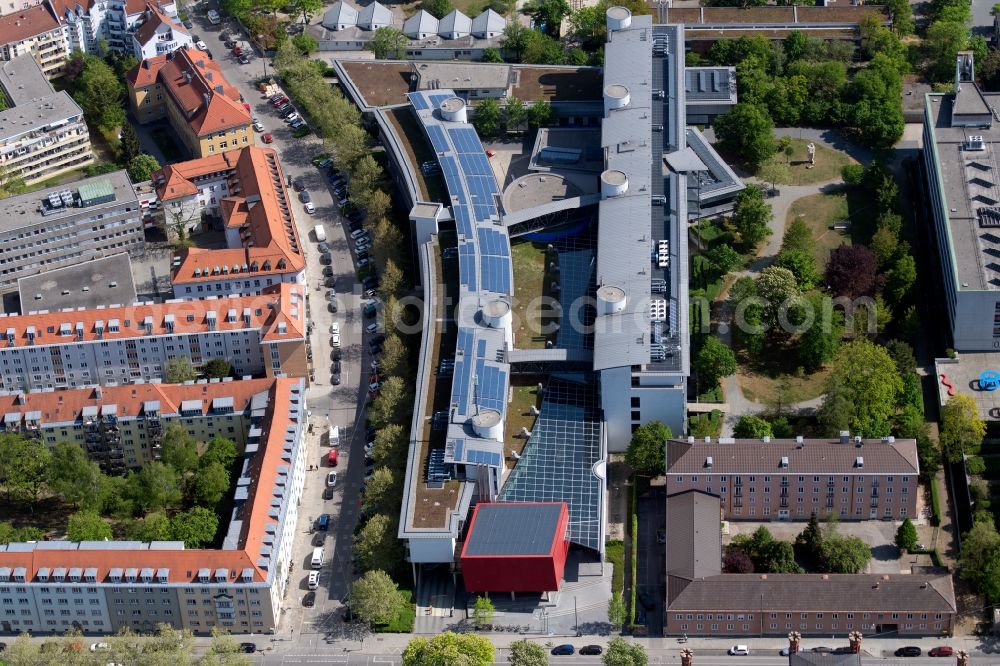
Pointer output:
975, 465
852, 174
614, 552
935, 505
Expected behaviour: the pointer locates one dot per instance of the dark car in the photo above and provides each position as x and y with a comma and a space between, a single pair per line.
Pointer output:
336, 354
335, 368
208, 52
243, 59
309, 600
249, 648
377, 339
328, 271
299, 184
647, 601
331, 282
328, 493
591, 649
305, 197
375, 349
231, 43
370, 282
822, 650
188, 24
332, 305
908, 651
335, 379
563, 649
319, 537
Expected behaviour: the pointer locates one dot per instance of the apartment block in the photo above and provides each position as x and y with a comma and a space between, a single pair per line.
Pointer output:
257, 335
63, 226
789, 479
188, 89
245, 188
89, 22
159, 34
42, 132
101, 587
35, 31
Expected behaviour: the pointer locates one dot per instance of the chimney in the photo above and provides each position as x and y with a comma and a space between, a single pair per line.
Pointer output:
855, 639
845, 436
962, 658
687, 657
794, 638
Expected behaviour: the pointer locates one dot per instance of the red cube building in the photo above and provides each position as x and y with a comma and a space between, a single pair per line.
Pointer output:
516, 547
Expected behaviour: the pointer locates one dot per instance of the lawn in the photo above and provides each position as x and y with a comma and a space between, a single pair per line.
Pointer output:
519, 416
821, 212
529, 286
829, 162
780, 387
403, 623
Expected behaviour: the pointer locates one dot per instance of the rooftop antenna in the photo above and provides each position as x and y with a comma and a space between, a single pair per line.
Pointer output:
475, 392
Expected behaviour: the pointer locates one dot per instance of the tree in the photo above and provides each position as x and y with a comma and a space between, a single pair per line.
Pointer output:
129, 146
809, 542
179, 370
900, 279
389, 448
802, 266
395, 356
547, 14
774, 172
779, 289
747, 131
525, 653
962, 429
305, 43
798, 238
141, 168
818, 344
379, 204
154, 527
736, 561
366, 177
647, 452
861, 391
723, 258
389, 43
306, 8
392, 280
74, 476
224, 650
622, 653
492, 55
517, 114
11, 534
382, 489
24, 464
752, 217
715, 360
196, 527
902, 16
220, 450
906, 536
209, 484
217, 368
482, 612
845, 554
767, 554
155, 486
487, 117
884, 243
616, 612
516, 38
980, 561
180, 450
375, 598
852, 271
376, 545
437, 8
88, 526
752, 427
449, 649
541, 114
392, 404
99, 92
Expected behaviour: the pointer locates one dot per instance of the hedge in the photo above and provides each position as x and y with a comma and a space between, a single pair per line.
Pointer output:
614, 552
935, 505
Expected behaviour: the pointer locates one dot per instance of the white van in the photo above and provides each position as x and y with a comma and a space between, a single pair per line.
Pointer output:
317, 558
213, 17
334, 436
320, 233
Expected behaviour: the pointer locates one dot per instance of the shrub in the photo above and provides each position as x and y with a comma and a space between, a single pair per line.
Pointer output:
975, 465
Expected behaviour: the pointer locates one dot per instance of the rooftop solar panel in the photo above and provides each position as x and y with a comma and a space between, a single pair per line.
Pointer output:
418, 101
436, 100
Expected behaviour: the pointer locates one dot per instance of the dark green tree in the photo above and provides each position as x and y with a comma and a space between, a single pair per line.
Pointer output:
723, 258
437, 8
389, 43
24, 464
217, 368
195, 527
809, 542
141, 167
906, 536
88, 526
861, 391
752, 216
647, 451
488, 117
547, 14
752, 427
209, 484
74, 476
130, 146
748, 132
715, 360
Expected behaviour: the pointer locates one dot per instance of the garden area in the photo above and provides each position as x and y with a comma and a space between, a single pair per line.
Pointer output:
533, 281
790, 165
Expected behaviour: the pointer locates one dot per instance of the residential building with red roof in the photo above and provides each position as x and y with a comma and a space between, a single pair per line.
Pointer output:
188, 89
159, 34
257, 335
88, 22
37, 31
244, 188
109, 585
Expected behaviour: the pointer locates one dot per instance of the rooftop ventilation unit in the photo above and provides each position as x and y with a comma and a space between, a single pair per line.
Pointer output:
974, 142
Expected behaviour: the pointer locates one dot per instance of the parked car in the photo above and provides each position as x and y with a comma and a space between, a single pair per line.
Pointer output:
243, 59
310, 207
334, 328
292, 117
309, 600
215, 19
266, 137
319, 538
258, 126
327, 494
785, 651
335, 379
941, 651
313, 581
740, 651
335, 340
304, 196
325, 163
248, 648
299, 184
279, 101
188, 24
822, 650
908, 651
297, 123
591, 649
331, 480
565, 649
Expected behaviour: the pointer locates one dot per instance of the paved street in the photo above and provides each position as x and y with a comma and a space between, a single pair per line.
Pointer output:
652, 561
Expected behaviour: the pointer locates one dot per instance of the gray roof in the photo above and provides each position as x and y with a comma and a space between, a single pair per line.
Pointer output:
812, 456
694, 549
420, 23
340, 13
829, 593
22, 80
455, 24
513, 529
715, 84
374, 16
23, 209
488, 21
720, 180
462, 75
89, 284
35, 114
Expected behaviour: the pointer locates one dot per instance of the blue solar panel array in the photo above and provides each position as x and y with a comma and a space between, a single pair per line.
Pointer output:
418, 101
438, 140
436, 100
490, 384
463, 368
476, 457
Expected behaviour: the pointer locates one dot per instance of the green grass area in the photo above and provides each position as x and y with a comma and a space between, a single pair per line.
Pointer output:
829, 162
714, 394
529, 286
614, 552
773, 378
519, 416
403, 624
821, 212
935, 504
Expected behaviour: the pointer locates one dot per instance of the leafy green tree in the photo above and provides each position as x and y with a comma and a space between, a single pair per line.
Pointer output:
647, 452
375, 598
861, 391
180, 450
389, 43
541, 114
142, 167
306, 8
392, 404
449, 649
516, 114
516, 38
902, 16
129, 146
196, 527
616, 610
818, 344
774, 172
487, 118
366, 178
217, 368
382, 490
752, 216
24, 465
802, 266
962, 429
767, 554
492, 55
88, 526
747, 131
395, 356
155, 526
74, 476
980, 560
809, 542
547, 14
845, 554
906, 536
622, 653
437, 8
376, 545
525, 653
224, 651
723, 258
155, 486
220, 450
715, 360
179, 370
884, 244
779, 288
900, 279
210, 484
482, 611
798, 238
943, 41
11, 534
752, 427
99, 92
389, 448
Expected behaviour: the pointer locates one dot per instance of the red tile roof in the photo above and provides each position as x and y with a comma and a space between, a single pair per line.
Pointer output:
258, 205
184, 565
30, 22
154, 19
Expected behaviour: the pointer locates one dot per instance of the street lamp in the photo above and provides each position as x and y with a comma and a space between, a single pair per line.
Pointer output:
263, 54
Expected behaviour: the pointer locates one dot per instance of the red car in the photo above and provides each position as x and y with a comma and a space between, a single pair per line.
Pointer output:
237, 51
266, 137
278, 102
942, 651
331, 458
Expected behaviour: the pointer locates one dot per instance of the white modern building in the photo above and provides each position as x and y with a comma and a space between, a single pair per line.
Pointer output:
158, 34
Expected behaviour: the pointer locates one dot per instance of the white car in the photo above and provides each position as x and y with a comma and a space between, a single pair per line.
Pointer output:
292, 117
94, 647
739, 650
201, 46
331, 479
310, 207
358, 233
335, 340
258, 126
313, 580
334, 328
